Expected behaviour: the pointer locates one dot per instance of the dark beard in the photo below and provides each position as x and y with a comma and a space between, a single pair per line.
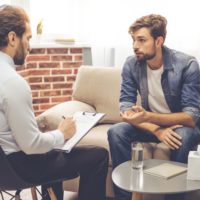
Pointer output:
19, 57
146, 57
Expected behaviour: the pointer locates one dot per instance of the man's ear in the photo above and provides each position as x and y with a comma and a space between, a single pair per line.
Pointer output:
12, 38
159, 41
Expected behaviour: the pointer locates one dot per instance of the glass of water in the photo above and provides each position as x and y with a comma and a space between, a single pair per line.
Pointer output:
137, 155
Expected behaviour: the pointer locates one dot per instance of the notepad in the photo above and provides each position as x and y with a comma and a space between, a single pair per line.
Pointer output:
84, 122
166, 170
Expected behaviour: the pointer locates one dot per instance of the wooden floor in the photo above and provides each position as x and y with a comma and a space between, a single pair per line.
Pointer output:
26, 195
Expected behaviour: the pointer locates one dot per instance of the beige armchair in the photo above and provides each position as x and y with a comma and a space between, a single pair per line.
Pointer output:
97, 89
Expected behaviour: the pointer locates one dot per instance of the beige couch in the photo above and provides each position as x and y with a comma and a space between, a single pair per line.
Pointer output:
97, 89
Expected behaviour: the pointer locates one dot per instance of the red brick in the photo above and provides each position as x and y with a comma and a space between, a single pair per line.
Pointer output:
75, 71
60, 99
46, 106
35, 94
62, 85
31, 65
76, 50
54, 79
39, 72
37, 51
57, 51
72, 64
50, 93
37, 58
35, 79
40, 86
78, 58
49, 65
71, 78
35, 107
61, 71
40, 100
67, 92
61, 58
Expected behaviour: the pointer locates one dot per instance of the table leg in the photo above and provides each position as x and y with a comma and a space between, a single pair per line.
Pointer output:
34, 193
136, 196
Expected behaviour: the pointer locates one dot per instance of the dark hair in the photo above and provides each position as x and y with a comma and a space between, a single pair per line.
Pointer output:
11, 19
155, 23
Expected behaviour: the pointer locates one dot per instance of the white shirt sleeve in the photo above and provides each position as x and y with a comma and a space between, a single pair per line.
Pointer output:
21, 120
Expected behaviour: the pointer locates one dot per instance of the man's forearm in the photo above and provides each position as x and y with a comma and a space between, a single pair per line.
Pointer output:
170, 119
148, 127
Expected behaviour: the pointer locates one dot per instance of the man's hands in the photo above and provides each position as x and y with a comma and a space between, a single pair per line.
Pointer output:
138, 115
135, 115
67, 127
169, 137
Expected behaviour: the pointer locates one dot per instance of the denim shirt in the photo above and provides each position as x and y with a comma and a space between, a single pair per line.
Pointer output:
180, 83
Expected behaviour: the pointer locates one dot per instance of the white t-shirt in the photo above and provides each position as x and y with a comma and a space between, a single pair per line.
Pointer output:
156, 99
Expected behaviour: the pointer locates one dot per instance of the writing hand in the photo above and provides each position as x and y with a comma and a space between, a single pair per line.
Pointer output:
67, 127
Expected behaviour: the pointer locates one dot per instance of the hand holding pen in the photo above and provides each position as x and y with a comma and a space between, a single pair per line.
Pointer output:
67, 127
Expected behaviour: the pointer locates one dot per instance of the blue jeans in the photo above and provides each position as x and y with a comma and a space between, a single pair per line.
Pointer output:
122, 134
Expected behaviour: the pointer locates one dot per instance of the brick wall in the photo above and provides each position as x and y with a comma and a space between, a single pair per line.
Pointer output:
51, 73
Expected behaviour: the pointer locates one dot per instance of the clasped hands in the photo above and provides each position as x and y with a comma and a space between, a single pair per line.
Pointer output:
135, 115
138, 115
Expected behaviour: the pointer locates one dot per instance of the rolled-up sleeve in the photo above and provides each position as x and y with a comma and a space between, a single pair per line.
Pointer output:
190, 96
128, 93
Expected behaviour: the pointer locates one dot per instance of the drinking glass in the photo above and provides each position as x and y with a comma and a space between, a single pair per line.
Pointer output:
137, 155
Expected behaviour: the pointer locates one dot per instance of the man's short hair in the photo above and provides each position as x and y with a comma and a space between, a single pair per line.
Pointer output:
155, 23
11, 19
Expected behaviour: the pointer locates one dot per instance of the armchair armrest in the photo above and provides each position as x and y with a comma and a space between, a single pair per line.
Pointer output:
50, 119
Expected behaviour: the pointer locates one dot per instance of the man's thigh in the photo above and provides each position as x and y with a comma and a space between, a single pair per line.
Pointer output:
56, 164
125, 131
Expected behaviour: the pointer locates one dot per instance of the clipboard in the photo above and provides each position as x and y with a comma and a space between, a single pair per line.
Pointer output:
85, 121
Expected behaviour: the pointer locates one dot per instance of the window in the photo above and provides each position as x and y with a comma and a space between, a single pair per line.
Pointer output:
5, 2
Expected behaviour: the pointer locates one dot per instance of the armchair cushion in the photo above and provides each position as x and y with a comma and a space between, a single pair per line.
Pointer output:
50, 119
99, 87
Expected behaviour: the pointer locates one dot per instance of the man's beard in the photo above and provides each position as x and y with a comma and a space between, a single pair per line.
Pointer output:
146, 57
19, 57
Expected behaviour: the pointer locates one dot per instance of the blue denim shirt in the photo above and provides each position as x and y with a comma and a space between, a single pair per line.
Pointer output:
180, 83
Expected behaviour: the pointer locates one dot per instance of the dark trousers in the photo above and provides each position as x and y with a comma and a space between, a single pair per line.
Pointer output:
90, 162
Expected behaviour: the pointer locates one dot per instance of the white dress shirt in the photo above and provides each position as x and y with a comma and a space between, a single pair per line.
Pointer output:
18, 127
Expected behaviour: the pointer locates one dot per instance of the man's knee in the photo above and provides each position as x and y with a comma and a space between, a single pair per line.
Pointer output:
186, 133
116, 132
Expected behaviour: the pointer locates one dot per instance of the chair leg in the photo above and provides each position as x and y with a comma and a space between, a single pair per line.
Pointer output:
51, 194
17, 197
34, 193
136, 196
1, 195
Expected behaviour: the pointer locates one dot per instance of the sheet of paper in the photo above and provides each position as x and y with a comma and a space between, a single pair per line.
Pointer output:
84, 122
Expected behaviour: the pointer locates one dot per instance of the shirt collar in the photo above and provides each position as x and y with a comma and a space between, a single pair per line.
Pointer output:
7, 58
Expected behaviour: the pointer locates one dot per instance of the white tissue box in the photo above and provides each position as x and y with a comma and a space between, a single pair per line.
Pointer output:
193, 166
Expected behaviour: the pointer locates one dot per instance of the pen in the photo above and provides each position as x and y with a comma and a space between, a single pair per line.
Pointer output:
63, 117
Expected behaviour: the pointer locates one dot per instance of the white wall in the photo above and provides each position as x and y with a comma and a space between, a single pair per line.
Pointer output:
104, 23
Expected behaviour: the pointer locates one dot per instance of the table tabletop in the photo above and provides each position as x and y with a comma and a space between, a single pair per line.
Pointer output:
133, 180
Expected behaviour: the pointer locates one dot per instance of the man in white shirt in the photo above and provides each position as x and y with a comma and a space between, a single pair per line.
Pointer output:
28, 150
